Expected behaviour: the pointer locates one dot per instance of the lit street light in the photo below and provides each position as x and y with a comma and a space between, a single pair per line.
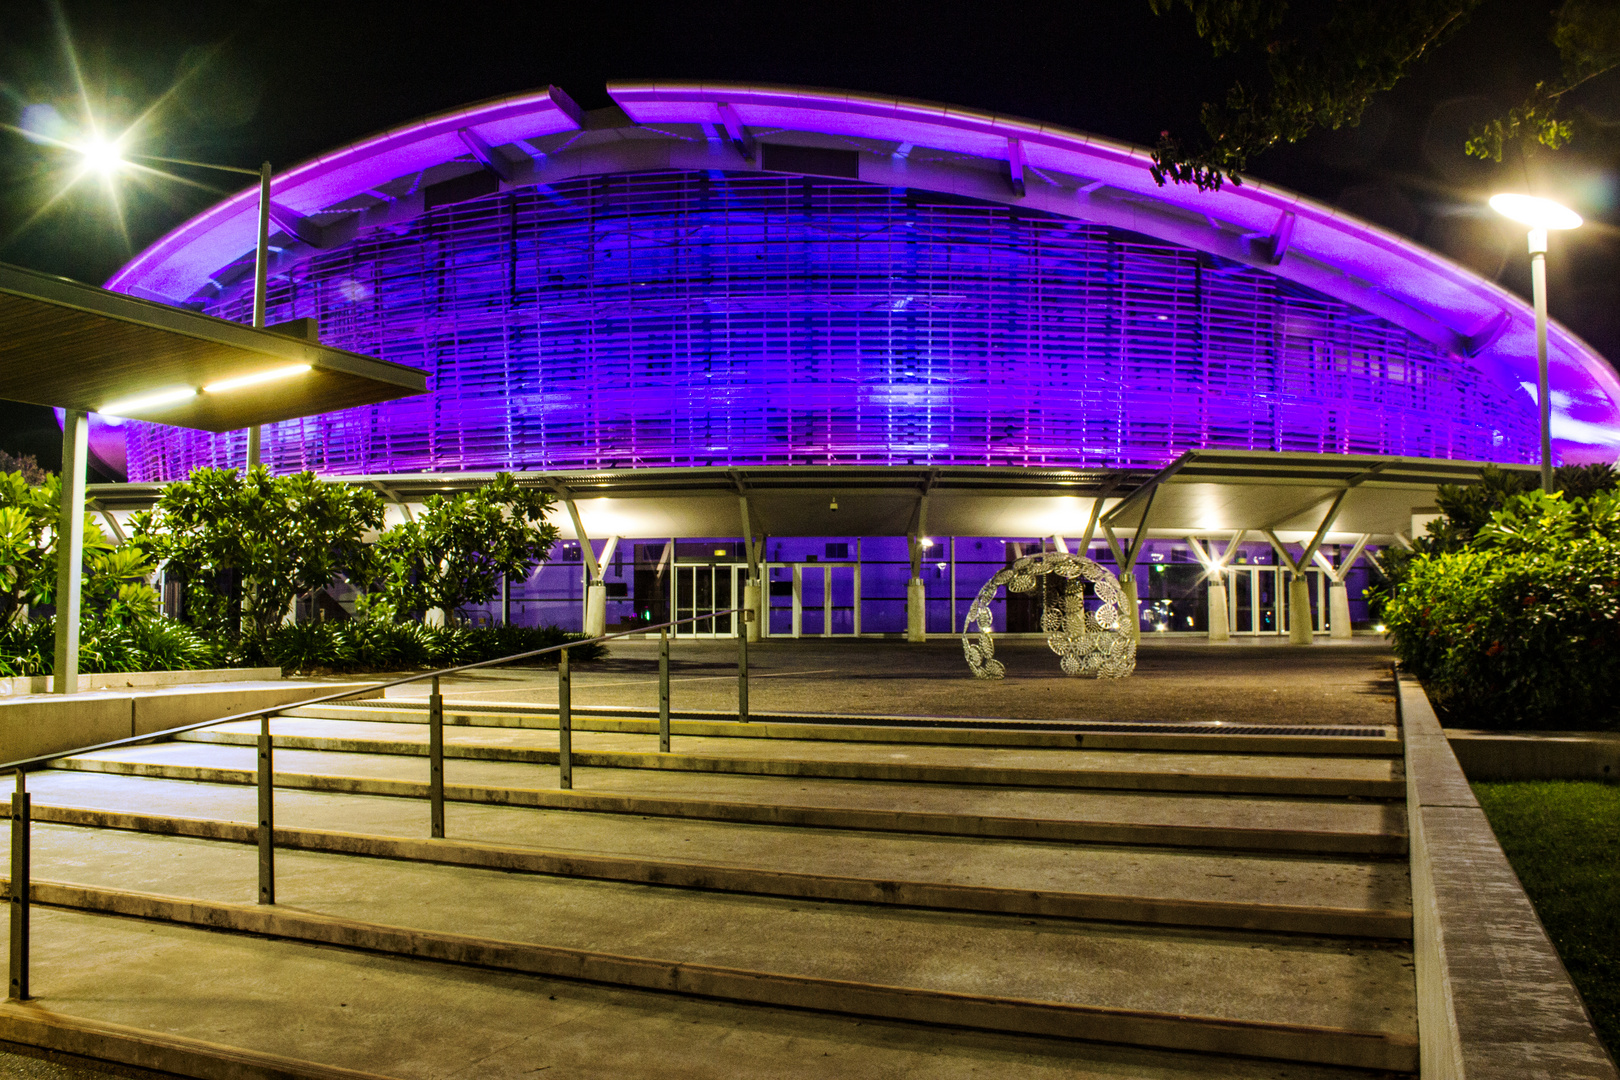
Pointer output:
107, 158
1539, 215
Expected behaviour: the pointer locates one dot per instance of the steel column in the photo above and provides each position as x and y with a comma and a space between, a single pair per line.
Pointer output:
565, 725
663, 691
70, 550
20, 888
436, 759
267, 816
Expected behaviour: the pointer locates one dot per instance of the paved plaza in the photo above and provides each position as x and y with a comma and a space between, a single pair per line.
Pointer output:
1248, 681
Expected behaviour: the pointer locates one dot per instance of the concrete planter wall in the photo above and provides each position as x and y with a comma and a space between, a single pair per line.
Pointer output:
18, 685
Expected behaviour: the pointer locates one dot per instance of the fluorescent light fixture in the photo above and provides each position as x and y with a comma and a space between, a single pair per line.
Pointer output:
1535, 212
241, 382
148, 402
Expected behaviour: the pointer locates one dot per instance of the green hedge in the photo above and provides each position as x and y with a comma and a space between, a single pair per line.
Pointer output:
378, 645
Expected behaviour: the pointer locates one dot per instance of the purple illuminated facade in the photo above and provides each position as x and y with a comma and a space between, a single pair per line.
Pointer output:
747, 276
721, 318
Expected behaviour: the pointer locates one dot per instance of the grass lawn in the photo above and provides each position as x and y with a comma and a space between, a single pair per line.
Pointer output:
1563, 839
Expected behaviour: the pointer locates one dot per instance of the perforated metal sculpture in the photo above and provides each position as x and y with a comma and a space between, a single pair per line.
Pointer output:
1088, 641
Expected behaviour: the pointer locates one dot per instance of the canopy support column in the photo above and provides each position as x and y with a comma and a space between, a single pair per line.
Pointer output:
70, 550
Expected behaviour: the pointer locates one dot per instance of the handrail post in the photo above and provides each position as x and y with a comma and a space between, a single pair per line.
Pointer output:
565, 725
742, 666
20, 888
663, 690
436, 760
267, 816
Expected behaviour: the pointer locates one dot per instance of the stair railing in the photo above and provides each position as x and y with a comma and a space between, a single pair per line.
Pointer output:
20, 888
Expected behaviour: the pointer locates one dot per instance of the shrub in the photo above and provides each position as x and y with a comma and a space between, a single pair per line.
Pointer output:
148, 644
376, 645
1521, 627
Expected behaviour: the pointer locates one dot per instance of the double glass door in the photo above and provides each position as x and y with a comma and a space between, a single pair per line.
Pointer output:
826, 599
701, 588
1257, 600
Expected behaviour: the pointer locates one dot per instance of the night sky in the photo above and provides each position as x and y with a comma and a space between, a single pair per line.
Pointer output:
249, 81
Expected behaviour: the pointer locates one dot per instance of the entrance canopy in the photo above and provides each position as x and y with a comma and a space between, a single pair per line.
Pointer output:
86, 349
1203, 492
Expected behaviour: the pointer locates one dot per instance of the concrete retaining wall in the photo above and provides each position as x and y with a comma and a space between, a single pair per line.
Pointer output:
1494, 1000
18, 685
49, 724
1537, 755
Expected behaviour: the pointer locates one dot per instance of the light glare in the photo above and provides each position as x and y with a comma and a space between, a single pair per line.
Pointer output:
101, 155
148, 402
225, 386
1535, 212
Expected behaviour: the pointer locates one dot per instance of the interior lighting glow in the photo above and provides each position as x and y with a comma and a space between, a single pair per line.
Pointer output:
225, 386
148, 402
1535, 212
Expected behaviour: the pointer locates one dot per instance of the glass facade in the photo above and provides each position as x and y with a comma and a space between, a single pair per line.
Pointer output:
836, 586
712, 318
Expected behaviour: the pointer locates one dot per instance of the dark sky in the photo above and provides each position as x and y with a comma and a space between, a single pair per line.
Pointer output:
286, 81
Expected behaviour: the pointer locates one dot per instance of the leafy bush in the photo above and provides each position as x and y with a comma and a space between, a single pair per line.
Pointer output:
376, 645
147, 644
1521, 626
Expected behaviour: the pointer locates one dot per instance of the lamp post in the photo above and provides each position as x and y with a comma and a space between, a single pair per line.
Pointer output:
1540, 215
107, 158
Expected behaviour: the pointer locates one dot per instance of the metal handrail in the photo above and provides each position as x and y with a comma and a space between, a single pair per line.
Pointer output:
25, 764
20, 886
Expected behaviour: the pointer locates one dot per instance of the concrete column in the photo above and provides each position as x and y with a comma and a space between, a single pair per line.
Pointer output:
1299, 610
1220, 628
1132, 615
70, 550
1338, 610
916, 611
752, 596
595, 608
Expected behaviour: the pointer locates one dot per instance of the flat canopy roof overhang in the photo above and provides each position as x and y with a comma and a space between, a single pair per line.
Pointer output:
1200, 493
74, 346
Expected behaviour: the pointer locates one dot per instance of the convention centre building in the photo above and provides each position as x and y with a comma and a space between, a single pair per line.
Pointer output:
842, 357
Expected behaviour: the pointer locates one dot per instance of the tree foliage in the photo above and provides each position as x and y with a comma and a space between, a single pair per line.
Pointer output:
246, 545
1511, 614
457, 550
1587, 33
1305, 67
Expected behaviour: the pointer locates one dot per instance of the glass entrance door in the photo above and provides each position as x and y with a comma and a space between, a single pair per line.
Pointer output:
826, 599
1256, 601
703, 588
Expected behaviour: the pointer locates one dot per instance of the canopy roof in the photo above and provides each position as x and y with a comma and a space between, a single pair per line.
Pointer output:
75, 346
1202, 493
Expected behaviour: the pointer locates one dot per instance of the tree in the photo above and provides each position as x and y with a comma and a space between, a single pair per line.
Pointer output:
457, 550
1303, 67
114, 581
28, 513
245, 546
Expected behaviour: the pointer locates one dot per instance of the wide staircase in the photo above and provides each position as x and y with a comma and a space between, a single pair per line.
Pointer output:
849, 897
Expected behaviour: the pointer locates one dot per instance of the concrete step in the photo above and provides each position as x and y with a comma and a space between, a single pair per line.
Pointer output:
1346, 897
1277, 825
1368, 741
1321, 1000
1257, 774
177, 999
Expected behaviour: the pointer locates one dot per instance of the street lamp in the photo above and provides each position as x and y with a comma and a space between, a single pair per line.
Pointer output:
107, 158
1540, 215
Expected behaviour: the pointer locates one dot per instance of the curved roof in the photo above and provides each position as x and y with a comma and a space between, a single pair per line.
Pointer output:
540, 137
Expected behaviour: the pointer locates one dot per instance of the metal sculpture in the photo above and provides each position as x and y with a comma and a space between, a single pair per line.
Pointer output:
1087, 641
